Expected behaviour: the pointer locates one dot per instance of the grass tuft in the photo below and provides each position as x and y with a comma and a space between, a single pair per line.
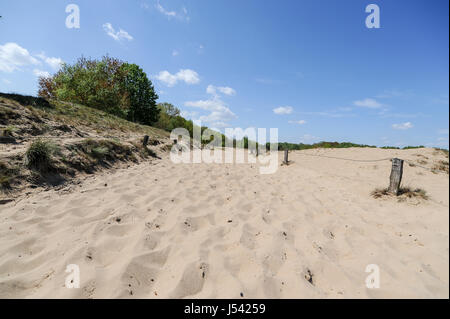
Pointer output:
39, 156
404, 192
8, 131
7, 175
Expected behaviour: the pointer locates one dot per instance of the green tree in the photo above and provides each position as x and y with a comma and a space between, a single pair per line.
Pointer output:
141, 94
109, 84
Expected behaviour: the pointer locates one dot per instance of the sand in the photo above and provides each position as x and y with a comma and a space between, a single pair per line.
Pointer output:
164, 230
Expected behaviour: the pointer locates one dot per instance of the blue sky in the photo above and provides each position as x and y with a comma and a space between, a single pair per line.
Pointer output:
310, 68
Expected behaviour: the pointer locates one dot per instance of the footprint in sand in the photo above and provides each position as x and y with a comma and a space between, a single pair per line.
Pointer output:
192, 281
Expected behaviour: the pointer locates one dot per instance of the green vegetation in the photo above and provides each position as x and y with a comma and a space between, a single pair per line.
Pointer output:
8, 131
39, 156
390, 147
101, 150
413, 147
27, 100
7, 175
71, 116
170, 118
110, 85
301, 146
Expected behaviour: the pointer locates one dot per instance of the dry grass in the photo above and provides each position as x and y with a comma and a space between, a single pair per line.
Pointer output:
7, 176
422, 162
441, 166
441, 151
39, 156
404, 193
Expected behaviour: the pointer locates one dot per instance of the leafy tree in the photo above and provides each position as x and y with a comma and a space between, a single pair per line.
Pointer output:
141, 94
109, 84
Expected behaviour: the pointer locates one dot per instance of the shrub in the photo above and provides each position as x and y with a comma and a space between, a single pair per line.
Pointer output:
39, 155
413, 147
109, 84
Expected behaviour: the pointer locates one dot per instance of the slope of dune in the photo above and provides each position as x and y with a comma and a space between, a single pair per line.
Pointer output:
82, 140
165, 230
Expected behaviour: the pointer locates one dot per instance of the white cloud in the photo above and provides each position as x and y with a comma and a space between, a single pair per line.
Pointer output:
183, 15
54, 63
13, 56
443, 131
188, 114
175, 53
119, 35
211, 89
164, 11
402, 126
283, 110
40, 73
300, 122
369, 103
186, 75
219, 114
6, 81
167, 78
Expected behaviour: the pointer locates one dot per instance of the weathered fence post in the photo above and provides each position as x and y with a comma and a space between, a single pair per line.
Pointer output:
396, 176
145, 142
286, 159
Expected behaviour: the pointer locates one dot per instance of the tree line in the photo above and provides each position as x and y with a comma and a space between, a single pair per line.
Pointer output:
123, 89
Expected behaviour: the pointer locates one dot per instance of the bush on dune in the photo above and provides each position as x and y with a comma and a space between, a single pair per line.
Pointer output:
39, 156
110, 85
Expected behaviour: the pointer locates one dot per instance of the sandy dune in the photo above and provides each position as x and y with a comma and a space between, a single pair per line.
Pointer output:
164, 230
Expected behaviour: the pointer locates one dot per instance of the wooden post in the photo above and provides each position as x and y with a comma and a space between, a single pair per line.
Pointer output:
286, 157
257, 151
146, 137
396, 176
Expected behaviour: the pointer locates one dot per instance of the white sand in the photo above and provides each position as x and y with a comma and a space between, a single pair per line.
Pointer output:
215, 231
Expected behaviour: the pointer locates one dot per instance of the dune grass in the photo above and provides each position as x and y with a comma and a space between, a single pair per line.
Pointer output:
39, 155
404, 192
7, 175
